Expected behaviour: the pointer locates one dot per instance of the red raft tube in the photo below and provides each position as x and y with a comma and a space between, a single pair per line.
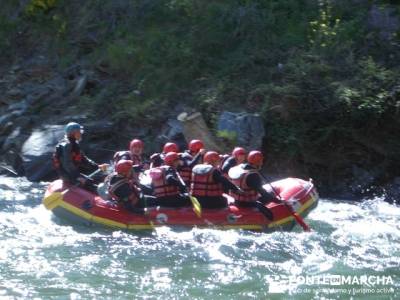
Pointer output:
79, 206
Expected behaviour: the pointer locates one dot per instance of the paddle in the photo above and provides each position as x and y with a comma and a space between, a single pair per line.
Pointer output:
265, 210
195, 203
51, 201
295, 215
9, 170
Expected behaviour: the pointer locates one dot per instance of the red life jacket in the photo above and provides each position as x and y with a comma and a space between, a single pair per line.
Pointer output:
238, 176
160, 186
116, 181
203, 183
76, 157
136, 159
185, 171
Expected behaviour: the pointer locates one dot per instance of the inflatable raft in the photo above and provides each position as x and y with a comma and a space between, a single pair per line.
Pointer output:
82, 207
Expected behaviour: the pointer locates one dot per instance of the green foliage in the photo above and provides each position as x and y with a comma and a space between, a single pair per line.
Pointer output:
325, 28
314, 69
7, 29
369, 92
35, 7
229, 137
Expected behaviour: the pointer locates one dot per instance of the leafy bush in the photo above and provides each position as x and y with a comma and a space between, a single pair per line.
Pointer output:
35, 7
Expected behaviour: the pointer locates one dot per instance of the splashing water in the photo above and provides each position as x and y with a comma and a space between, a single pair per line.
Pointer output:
44, 257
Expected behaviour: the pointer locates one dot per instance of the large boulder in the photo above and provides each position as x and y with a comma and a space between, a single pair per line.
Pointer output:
172, 131
247, 129
384, 19
37, 152
195, 127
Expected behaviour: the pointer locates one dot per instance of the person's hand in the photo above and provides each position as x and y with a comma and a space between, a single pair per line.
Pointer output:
103, 167
280, 201
240, 191
82, 180
202, 151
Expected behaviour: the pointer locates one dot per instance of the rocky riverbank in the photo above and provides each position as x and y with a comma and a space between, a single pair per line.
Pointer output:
314, 84
39, 101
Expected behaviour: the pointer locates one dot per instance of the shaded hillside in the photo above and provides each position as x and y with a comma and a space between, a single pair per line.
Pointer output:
323, 74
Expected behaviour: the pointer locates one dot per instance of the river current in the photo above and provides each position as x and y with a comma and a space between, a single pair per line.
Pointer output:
353, 252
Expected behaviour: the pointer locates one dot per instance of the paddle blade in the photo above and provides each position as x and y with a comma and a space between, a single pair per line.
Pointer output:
301, 222
50, 202
196, 206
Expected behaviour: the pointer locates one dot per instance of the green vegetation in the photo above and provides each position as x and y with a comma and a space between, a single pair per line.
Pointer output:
323, 78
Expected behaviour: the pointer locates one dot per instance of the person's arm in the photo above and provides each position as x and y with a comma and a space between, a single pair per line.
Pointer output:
228, 185
228, 164
173, 179
137, 168
196, 159
156, 160
88, 162
255, 182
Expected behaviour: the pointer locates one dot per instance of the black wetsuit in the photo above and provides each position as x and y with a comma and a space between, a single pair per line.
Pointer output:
179, 200
255, 181
130, 197
71, 163
228, 164
218, 201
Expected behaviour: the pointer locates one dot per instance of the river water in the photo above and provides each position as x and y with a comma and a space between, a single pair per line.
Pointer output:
352, 252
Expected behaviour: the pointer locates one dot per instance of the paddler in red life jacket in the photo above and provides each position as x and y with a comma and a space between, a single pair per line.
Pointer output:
167, 185
134, 154
190, 158
70, 162
248, 178
124, 190
157, 159
208, 183
237, 157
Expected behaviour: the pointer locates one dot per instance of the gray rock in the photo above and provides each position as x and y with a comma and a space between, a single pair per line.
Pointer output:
172, 131
99, 128
247, 128
15, 93
37, 152
13, 159
384, 19
14, 140
6, 128
19, 107
4, 119
79, 86
174, 128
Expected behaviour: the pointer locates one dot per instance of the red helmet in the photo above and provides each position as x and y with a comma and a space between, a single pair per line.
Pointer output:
255, 158
170, 158
123, 166
238, 151
211, 156
170, 147
195, 145
136, 143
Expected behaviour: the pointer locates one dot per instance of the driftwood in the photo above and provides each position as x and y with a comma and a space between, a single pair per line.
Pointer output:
194, 127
